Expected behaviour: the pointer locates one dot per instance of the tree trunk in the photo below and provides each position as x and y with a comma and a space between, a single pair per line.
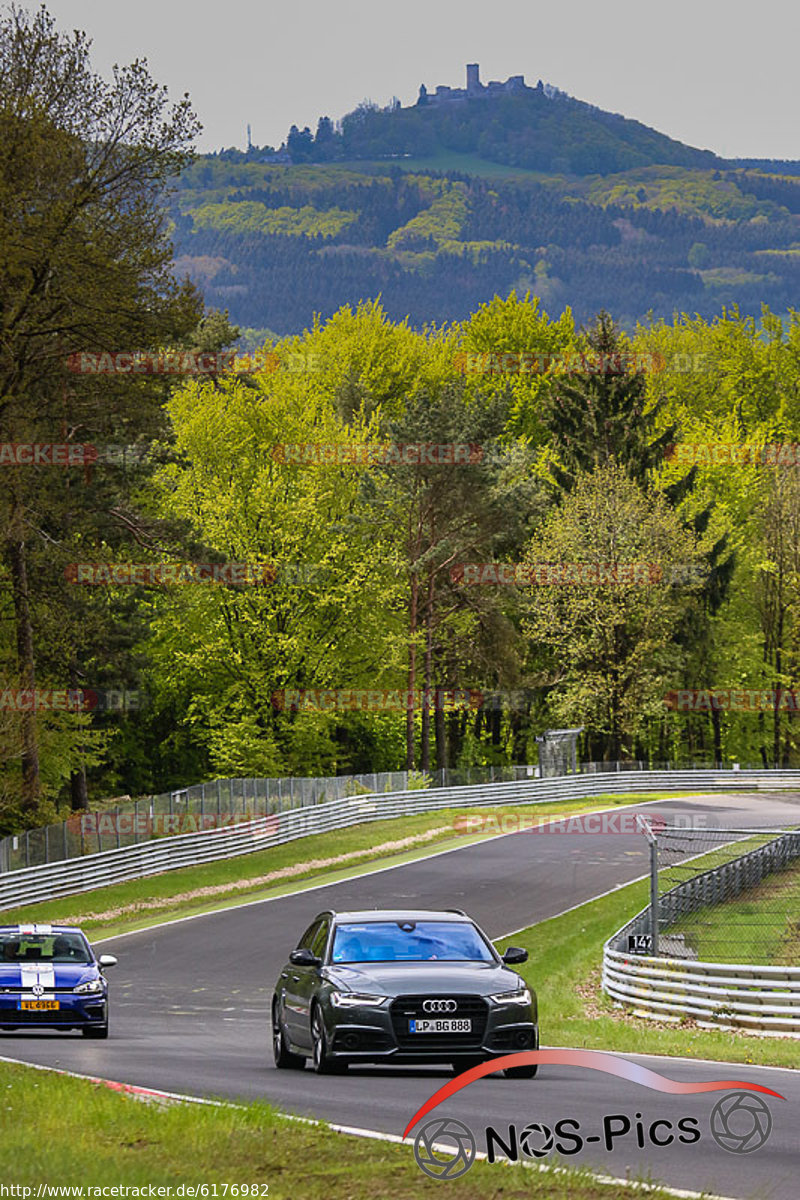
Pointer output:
717, 725
412, 670
425, 736
457, 726
15, 556
79, 793
440, 731
776, 719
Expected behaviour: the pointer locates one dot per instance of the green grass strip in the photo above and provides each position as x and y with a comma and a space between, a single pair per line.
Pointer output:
762, 925
565, 967
65, 1132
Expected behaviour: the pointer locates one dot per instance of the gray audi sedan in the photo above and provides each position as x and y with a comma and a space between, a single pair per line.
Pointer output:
401, 986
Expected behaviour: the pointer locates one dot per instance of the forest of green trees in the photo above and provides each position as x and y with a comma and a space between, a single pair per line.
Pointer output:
577, 465
379, 543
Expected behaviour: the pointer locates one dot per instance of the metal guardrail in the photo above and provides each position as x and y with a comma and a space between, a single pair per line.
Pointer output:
33, 884
218, 803
221, 802
731, 995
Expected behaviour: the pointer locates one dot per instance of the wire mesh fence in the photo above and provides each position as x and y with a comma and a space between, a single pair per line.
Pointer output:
218, 804
727, 895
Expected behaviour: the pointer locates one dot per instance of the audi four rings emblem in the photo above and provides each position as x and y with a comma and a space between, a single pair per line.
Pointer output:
439, 1006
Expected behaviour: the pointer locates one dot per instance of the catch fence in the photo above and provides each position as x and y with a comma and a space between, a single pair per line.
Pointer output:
720, 940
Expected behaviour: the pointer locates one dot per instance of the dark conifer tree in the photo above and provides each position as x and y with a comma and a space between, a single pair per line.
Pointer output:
599, 413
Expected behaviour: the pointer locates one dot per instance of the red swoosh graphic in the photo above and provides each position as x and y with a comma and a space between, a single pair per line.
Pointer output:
595, 1060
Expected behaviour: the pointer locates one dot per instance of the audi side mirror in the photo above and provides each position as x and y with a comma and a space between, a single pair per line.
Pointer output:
514, 955
304, 958
106, 960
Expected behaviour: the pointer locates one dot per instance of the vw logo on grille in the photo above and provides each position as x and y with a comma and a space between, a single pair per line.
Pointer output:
37, 989
439, 1006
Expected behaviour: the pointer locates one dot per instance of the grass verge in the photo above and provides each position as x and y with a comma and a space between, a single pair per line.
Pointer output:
279, 870
70, 1132
761, 926
564, 968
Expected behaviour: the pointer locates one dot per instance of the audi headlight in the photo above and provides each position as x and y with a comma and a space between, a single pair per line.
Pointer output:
355, 999
91, 986
522, 996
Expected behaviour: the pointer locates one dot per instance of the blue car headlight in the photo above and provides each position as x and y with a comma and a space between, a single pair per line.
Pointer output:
91, 987
356, 1000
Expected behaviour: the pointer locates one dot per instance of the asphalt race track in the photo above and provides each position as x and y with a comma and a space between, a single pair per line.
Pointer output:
190, 1011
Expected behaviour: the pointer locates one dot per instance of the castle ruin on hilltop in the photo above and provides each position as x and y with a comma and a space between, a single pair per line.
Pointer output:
475, 90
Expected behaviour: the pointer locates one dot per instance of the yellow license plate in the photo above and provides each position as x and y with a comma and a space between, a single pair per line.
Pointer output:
38, 1005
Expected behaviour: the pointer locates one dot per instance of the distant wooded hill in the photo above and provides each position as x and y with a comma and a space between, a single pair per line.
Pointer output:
438, 207
535, 129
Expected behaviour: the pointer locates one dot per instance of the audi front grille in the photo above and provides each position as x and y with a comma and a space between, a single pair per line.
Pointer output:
410, 1008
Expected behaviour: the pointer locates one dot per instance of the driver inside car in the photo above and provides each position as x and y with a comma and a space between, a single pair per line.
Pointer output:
62, 948
349, 949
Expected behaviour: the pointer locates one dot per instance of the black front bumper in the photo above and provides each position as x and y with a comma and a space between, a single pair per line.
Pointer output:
383, 1034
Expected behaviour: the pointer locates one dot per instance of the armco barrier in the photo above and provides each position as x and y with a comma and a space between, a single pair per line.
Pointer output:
33, 884
732, 995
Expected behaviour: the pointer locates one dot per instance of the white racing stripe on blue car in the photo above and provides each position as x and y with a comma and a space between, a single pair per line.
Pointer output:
41, 974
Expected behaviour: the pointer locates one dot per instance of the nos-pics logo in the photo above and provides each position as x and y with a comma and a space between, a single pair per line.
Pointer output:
445, 1148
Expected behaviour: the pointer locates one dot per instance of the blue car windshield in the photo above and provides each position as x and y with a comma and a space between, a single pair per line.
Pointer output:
409, 941
48, 948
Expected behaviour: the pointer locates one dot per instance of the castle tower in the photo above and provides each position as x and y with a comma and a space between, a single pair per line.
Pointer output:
473, 79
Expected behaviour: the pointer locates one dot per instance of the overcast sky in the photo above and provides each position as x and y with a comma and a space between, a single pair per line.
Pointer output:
719, 74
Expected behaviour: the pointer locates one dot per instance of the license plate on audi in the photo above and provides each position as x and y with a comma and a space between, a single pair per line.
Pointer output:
441, 1025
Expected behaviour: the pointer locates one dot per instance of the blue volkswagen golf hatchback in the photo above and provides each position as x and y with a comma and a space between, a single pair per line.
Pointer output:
50, 978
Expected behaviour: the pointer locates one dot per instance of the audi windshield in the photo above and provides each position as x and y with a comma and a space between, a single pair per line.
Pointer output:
409, 941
